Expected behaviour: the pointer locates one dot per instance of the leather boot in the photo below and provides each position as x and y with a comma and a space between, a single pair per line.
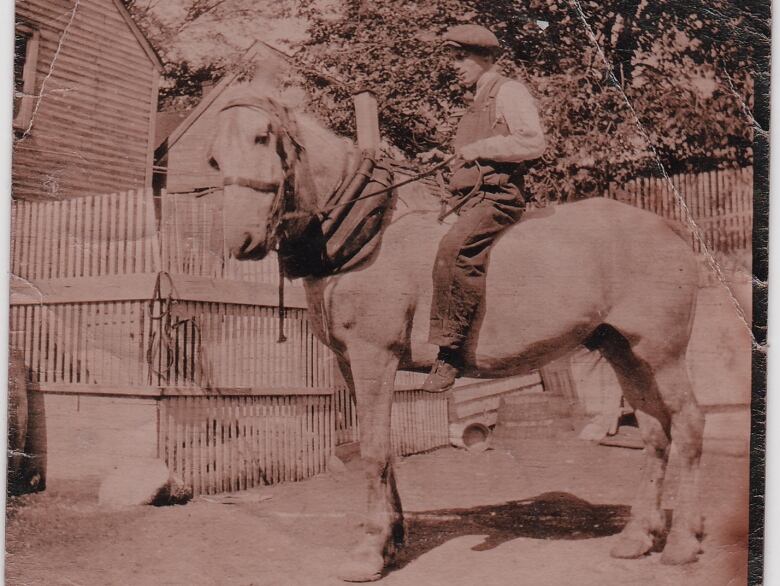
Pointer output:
444, 372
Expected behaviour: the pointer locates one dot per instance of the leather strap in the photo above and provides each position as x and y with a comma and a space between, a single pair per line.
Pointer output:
262, 186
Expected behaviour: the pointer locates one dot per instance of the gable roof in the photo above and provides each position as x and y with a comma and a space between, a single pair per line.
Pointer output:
166, 123
139, 35
253, 52
197, 112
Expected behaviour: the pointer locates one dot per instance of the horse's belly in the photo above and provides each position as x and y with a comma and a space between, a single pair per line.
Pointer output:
534, 307
537, 305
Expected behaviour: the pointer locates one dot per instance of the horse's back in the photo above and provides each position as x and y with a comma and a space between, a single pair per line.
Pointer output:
564, 270
608, 236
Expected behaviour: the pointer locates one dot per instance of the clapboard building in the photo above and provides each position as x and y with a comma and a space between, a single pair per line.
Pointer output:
86, 82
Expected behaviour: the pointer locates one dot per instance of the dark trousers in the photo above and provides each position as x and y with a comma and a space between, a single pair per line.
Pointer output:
459, 273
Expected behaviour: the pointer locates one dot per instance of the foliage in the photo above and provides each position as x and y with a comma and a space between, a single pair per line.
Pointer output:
200, 40
185, 84
624, 86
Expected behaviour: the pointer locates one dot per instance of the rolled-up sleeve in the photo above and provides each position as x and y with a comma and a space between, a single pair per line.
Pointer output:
525, 141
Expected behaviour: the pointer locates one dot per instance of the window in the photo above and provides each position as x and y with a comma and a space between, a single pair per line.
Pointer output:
25, 62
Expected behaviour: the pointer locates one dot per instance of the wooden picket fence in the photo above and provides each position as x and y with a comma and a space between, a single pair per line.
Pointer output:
112, 234
719, 203
106, 300
218, 443
418, 422
192, 238
223, 444
98, 299
220, 345
81, 271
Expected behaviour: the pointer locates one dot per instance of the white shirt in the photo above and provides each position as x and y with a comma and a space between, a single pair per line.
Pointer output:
516, 106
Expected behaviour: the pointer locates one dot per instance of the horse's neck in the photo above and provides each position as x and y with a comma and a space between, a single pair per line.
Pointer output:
330, 159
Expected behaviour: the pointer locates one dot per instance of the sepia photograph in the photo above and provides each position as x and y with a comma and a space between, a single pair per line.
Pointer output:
455, 292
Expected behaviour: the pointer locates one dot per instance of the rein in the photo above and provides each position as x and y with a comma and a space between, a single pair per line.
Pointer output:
324, 211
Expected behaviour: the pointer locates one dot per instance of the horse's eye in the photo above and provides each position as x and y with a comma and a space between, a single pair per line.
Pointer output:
261, 139
213, 163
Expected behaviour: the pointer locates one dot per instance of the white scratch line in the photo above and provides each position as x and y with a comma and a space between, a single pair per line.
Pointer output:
689, 219
51, 68
745, 108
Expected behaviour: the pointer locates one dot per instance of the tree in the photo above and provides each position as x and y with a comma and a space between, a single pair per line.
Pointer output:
625, 86
200, 40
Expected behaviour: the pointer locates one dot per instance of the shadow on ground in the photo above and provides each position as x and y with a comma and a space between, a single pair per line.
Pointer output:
552, 515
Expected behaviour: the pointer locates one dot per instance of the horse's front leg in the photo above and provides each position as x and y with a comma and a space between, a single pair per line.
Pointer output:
373, 375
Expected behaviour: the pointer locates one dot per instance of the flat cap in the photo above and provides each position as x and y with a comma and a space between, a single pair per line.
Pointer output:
471, 35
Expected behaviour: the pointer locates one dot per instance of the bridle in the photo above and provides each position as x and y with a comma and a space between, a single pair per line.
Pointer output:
283, 206
284, 190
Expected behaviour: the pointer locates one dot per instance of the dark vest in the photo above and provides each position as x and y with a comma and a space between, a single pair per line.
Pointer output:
480, 121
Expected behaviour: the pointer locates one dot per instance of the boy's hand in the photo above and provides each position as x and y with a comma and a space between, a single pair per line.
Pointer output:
468, 154
432, 156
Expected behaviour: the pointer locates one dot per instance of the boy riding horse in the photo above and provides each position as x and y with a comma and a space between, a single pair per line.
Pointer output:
499, 131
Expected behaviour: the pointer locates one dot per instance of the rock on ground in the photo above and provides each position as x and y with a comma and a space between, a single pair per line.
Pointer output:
144, 481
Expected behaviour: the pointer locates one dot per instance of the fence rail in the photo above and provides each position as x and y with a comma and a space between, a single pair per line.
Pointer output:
719, 203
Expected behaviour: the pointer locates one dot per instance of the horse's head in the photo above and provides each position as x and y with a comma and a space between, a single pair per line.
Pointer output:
256, 152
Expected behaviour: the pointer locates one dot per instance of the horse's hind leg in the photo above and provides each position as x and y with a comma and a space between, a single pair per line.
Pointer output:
373, 376
683, 542
638, 384
657, 386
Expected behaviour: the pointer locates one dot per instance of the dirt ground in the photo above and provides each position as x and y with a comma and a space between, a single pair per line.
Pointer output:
536, 513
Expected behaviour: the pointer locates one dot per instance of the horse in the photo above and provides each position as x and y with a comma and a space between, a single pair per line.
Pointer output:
594, 272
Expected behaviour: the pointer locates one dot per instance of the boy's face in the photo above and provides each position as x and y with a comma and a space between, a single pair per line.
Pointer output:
469, 66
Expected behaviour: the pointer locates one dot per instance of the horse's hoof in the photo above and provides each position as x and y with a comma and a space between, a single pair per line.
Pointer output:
368, 569
632, 546
681, 548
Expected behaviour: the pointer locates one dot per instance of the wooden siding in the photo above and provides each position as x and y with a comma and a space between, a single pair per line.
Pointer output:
91, 129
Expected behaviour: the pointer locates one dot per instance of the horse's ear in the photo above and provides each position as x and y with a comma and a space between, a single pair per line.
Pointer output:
290, 126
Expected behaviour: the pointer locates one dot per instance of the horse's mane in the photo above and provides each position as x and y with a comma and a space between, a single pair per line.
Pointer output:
308, 125
326, 149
